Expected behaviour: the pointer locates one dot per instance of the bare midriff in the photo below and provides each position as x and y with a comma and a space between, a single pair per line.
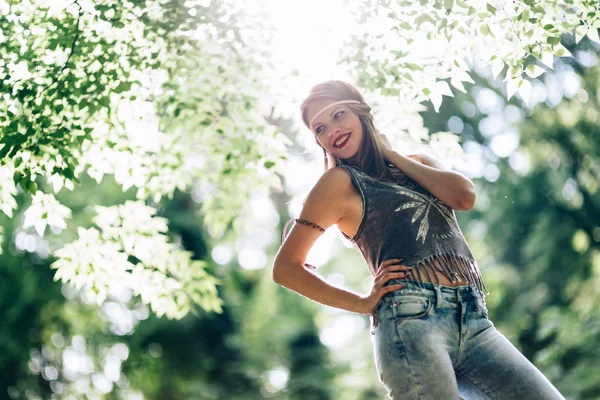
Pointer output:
441, 278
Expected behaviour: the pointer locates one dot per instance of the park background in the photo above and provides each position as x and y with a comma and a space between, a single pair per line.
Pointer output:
151, 152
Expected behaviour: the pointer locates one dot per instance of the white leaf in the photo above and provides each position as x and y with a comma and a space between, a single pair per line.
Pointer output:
40, 227
464, 76
525, 91
548, 58
436, 99
562, 51
458, 84
512, 86
592, 34
443, 88
497, 67
580, 32
69, 184
533, 71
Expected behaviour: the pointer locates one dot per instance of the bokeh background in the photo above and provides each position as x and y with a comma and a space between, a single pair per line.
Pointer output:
534, 229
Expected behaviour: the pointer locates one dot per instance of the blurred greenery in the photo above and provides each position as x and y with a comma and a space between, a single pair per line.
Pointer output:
535, 231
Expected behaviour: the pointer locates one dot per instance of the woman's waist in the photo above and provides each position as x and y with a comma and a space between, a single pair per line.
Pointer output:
414, 288
446, 269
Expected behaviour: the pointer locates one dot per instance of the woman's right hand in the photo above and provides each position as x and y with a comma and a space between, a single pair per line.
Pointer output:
389, 269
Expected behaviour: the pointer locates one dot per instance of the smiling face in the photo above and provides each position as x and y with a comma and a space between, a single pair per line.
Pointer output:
333, 124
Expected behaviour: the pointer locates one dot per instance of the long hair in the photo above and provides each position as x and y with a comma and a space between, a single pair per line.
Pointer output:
370, 155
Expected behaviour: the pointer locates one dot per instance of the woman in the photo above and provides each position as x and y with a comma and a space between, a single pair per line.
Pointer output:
432, 336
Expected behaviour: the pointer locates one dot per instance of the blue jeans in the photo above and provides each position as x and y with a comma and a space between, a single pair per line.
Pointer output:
436, 342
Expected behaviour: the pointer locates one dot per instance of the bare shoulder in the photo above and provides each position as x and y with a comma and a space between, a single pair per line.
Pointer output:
335, 185
327, 203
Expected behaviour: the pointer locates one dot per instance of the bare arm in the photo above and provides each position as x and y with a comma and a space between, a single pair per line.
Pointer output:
450, 187
325, 206
309, 284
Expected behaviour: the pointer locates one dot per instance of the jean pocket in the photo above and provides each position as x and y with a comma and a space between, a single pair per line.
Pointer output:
410, 307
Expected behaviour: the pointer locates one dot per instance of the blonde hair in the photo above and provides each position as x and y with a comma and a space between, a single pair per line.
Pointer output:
370, 157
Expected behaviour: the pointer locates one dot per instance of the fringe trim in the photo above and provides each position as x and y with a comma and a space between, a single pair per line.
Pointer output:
453, 267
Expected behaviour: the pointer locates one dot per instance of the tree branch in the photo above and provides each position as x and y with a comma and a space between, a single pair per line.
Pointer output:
73, 44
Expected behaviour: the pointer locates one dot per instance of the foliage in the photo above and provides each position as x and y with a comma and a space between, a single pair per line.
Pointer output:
416, 51
114, 88
164, 97
407, 49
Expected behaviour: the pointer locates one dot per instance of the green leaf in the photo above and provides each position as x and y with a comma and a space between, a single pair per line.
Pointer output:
553, 40
538, 9
13, 151
17, 178
421, 19
13, 126
562, 51
68, 173
548, 27
4, 151
269, 164
31, 187
491, 8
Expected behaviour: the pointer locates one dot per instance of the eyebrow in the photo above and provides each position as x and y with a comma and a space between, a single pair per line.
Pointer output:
333, 112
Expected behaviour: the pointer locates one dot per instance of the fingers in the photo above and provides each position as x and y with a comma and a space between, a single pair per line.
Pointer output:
391, 265
391, 261
391, 288
389, 269
389, 276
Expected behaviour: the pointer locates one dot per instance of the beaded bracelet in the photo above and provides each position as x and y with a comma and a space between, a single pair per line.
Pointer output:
303, 222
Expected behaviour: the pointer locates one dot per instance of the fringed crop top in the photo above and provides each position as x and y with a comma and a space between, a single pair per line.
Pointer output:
403, 220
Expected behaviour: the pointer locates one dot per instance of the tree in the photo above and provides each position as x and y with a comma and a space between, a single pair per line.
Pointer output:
68, 101
68, 96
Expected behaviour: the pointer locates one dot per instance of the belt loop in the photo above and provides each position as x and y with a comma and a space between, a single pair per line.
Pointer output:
438, 296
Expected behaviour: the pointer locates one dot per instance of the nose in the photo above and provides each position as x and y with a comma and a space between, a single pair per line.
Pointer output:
334, 131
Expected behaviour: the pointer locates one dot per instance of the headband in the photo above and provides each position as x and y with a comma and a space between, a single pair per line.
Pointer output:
329, 105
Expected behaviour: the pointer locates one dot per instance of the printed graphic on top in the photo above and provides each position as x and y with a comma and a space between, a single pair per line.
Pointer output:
422, 205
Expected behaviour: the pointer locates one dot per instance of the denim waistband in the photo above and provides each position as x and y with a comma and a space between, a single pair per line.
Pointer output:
431, 289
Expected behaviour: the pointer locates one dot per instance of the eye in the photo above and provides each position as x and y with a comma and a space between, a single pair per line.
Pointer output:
335, 116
